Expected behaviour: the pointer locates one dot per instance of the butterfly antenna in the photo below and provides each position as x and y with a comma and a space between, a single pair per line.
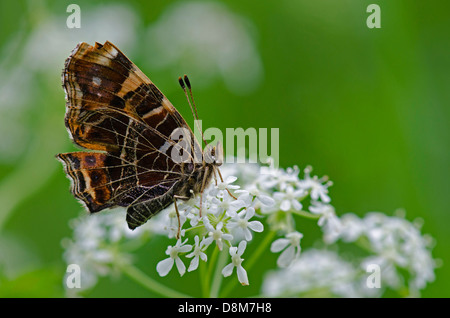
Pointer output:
188, 84
183, 84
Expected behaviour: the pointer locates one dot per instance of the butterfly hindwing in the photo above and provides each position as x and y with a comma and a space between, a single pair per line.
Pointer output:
101, 180
91, 180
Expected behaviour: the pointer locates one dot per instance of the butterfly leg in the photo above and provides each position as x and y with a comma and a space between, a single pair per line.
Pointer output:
175, 197
215, 177
178, 216
200, 208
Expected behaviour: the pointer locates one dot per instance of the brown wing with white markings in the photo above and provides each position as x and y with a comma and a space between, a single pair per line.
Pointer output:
112, 107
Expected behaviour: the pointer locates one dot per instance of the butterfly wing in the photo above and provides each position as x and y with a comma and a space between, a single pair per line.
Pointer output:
100, 180
111, 106
105, 92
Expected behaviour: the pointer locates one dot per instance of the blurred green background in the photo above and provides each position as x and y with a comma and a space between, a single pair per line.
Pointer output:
367, 107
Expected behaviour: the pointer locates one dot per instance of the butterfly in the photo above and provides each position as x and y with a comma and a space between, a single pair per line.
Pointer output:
140, 147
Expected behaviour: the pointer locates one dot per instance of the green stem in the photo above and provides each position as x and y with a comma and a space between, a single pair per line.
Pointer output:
206, 272
194, 228
306, 214
149, 283
203, 279
262, 247
212, 262
217, 279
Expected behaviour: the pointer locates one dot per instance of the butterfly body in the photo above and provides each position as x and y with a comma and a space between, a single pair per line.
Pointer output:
116, 112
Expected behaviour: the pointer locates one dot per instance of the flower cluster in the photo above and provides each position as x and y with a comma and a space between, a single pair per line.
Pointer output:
231, 214
318, 273
231, 219
250, 200
391, 243
395, 244
95, 245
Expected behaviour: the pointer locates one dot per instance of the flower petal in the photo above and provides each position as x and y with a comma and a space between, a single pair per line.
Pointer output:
250, 213
237, 204
285, 205
279, 245
180, 266
208, 241
299, 193
227, 237
266, 200
164, 266
230, 179
246, 197
286, 258
228, 270
325, 198
185, 248
242, 275
233, 250
256, 226
297, 205
241, 247
194, 264
279, 195
247, 234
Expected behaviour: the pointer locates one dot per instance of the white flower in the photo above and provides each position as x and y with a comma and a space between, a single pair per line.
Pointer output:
216, 234
291, 247
118, 229
198, 252
395, 243
278, 178
252, 193
328, 220
190, 206
290, 198
220, 190
240, 223
389, 274
315, 186
228, 204
173, 226
94, 246
164, 266
352, 227
236, 261
316, 271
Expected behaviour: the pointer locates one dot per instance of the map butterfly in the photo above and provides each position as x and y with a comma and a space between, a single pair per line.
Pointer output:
116, 112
